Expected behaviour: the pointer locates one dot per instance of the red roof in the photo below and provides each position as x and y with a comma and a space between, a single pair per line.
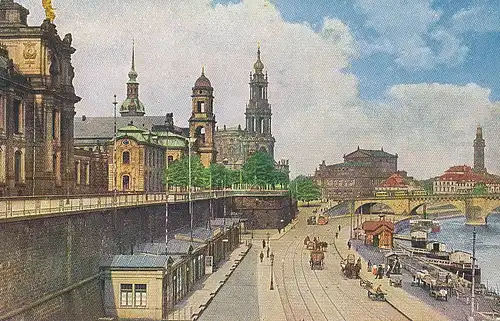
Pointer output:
372, 226
464, 173
395, 180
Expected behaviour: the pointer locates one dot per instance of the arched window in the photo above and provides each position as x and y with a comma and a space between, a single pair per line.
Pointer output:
126, 182
126, 157
17, 166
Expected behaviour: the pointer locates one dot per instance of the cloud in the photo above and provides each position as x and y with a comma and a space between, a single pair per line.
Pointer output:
317, 112
478, 18
411, 32
432, 126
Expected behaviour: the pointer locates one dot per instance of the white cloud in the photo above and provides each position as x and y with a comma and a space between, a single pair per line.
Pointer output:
317, 113
410, 31
432, 126
478, 18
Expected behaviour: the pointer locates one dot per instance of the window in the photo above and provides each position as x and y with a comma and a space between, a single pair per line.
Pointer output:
2, 112
140, 295
170, 159
126, 157
133, 295
126, 295
16, 113
201, 107
126, 182
18, 166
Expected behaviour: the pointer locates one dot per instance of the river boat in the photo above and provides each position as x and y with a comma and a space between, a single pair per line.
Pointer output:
425, 225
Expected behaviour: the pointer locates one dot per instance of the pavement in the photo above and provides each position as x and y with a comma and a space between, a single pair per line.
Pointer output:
209, 300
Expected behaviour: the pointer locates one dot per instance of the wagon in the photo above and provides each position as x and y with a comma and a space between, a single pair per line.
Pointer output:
376, 296
317, 260
395, 281
439, 293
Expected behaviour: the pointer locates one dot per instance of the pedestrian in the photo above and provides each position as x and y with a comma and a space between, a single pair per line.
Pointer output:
279, 230
267, 252
349, 244
261, 256
263, 244
380, 272
369, 266
336, 235
339, 227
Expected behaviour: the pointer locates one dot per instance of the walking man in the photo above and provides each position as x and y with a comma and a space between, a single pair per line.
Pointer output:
261, 256
349, 244
339, 227
267, 252
263, 244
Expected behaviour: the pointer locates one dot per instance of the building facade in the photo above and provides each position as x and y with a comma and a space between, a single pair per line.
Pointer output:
462, 179
37, 154
360, 173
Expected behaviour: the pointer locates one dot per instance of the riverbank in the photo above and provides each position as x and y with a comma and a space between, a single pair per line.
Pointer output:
457, 308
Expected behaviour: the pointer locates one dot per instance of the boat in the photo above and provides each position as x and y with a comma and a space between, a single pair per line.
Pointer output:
425, 225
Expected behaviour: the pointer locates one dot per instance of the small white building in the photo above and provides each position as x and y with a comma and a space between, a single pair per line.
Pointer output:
461, 257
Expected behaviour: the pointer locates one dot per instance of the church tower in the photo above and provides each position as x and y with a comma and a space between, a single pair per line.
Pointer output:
479, 151
132, 106
258, 110
202, 121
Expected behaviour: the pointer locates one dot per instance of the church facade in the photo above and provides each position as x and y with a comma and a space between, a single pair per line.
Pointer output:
235, 144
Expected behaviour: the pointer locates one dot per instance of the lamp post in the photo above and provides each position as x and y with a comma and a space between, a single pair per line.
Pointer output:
272, 263
190, 205
473, 294
114, 153
166, 193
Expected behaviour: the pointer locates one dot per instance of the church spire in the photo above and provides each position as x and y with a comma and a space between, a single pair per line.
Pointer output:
132, 75
132, 106
479, 145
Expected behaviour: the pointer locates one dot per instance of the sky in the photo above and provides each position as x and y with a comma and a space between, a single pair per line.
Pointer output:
414, 77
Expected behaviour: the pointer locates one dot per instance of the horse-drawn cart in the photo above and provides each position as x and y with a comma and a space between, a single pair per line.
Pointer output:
317, 260
376, 295
395, 280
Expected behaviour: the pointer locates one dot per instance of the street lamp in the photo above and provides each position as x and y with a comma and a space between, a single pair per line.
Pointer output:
473, 294
114, 152
272, 263
166, 193
225, 241
190, 205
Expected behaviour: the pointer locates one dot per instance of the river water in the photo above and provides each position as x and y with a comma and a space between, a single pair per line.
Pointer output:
458, 236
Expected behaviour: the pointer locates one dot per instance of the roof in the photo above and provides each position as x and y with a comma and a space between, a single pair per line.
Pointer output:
138, 261
202, 81
395, 180
464, 173
228, 221
103, 127
370, 153
175, 246
372, 226
199, 233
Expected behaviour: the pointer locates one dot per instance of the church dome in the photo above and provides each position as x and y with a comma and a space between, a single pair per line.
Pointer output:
258, 66
202, 81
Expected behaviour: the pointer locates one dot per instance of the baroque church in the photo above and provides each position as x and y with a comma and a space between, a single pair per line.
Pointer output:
234, 144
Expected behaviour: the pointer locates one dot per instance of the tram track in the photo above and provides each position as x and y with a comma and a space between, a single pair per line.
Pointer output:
323, 298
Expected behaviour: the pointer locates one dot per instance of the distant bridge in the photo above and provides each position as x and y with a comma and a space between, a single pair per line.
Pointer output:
22, 207
475, 208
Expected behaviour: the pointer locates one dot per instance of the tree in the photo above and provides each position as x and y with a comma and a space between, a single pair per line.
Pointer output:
305, 189
221, 176
427, 185
480, 189
259, 170
178, 173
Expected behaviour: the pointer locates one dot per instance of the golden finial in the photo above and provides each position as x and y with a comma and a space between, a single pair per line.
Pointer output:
258, 44
203, 69
49, 11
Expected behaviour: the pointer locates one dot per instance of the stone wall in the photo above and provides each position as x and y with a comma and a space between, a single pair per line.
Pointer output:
50, 265
264, 213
